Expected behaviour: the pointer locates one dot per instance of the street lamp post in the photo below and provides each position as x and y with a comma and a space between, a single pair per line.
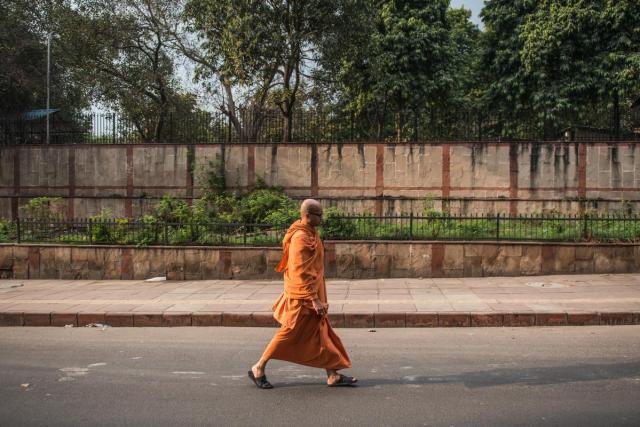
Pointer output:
48, 79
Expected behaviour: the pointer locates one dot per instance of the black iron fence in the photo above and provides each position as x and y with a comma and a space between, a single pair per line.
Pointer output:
309, 126
570, 228
138, 232
552, 228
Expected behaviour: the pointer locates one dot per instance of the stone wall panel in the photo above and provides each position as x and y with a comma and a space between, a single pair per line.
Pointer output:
6, 171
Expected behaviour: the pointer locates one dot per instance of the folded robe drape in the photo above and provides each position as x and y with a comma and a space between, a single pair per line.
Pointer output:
304, 337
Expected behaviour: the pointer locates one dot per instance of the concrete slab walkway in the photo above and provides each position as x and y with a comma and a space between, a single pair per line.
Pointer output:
491, 301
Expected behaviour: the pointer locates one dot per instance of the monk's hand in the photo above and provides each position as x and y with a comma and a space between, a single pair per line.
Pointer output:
319, 307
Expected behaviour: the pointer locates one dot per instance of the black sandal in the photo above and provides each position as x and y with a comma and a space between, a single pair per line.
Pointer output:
260, 382
344, 381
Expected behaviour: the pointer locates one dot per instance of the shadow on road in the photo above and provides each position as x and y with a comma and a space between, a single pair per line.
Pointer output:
506, 376
523, 376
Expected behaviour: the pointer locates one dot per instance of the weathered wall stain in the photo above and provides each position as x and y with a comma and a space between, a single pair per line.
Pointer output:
483, 177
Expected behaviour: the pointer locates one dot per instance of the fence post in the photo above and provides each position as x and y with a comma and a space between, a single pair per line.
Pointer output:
89, 223
498, 226
18, 228
113, 125
411, 225
244, 235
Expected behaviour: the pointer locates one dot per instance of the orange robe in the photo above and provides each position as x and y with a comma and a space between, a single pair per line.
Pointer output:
304, 337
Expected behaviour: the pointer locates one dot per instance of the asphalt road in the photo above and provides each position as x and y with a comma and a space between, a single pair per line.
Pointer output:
197, 376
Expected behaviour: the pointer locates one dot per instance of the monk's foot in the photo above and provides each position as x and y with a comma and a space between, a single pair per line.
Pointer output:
257, 371
336, 380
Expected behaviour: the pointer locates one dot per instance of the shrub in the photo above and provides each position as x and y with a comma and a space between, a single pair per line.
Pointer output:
258, 205
44, 209
169, 209
102, 230
5, 230
335, 228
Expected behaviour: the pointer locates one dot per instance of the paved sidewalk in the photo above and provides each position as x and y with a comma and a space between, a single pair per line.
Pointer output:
489, 301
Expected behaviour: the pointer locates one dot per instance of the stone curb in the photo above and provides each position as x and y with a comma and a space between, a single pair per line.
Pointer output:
339, 320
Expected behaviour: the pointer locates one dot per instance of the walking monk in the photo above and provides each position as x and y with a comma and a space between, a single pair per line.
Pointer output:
305, 336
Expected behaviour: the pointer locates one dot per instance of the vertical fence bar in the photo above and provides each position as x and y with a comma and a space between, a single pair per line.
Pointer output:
18, 229
411, 225
165, 233
498, 226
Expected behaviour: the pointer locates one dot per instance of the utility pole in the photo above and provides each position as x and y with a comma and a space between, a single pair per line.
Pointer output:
48, 79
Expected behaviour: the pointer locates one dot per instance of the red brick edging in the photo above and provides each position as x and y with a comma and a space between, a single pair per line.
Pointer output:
346, 320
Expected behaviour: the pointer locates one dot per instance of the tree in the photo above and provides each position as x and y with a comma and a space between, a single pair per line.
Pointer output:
404, 65
261, 51
23, 68
580, 54
121, 51
464, 64
508, 91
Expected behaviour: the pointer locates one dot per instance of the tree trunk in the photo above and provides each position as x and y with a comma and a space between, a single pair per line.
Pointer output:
287, 125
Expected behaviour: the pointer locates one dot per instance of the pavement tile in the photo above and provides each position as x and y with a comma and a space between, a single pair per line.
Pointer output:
395, 297
120, 307
154, 308
429, 308
359, 308
220, 307
616, 297
391, 308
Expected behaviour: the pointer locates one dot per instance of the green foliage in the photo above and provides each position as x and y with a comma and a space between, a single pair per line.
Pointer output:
428, 207
44, 208
260, 204
170, 209
334, 227
23, 49
558, 63
214, 177
260, 49
101, 230
121, 53
5, 230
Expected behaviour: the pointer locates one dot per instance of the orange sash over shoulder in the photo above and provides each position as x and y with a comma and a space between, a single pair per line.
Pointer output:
302, 262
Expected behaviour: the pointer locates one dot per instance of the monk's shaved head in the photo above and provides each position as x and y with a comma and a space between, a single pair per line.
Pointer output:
311, 206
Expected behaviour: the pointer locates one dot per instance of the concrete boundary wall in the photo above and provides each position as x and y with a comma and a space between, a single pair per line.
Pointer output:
344, 259
464, 177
